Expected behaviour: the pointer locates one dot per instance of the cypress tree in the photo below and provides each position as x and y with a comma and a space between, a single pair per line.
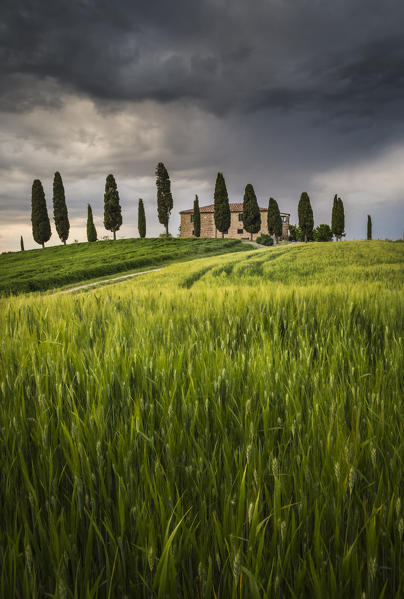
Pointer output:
197, 218
334, 217
41, 229
60, 215
341, 218
22, 244
112, 208
91, 230
306, 220
141, 219
221, 205
164, 197
274, 219
338, 218
369, 232
251, 211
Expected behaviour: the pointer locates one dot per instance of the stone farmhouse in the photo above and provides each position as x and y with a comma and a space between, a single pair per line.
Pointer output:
236, 229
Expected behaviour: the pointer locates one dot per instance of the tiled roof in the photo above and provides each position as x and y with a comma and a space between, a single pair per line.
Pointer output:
238, 207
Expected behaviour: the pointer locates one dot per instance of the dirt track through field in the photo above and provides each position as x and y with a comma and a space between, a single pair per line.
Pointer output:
105, 281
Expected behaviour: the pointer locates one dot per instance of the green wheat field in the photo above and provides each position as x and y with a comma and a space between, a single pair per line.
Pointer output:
229, 427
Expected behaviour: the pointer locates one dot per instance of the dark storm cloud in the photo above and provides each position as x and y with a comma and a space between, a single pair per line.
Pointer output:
344, 57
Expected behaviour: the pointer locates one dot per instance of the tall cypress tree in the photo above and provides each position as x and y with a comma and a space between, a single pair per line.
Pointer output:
338, 218
221, 205
112, 208
334, 217
164, 197
369, 231
60, 215
274, 219
306, 220
91, 230
22, 244
41, 229
341, 218
197, 218
141, 219
251, 211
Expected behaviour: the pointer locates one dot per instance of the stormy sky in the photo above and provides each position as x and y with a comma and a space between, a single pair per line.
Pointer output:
289, 95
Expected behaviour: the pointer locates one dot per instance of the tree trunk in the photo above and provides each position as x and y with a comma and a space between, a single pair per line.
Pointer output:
43, 245
276, 240
305, 238
114, 235
167, 230
64, 243
222, 235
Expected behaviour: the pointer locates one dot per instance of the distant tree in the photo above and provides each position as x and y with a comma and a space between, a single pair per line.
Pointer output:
274, 219
197, 218
112, 208
251, 211
369, 232
305, 212
60, 215
221, 205
141, 219
338, 218
41, 229
91, 230
322, 233
295, 233
164, 197
22, 244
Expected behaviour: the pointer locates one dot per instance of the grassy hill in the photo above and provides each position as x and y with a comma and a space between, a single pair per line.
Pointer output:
226, 427
36, 270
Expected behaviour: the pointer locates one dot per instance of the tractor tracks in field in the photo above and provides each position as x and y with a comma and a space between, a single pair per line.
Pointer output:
105, 282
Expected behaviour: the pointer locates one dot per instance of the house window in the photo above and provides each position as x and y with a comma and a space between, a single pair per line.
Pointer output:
239, 231
193, 232
192, 218
283, 219
240, 216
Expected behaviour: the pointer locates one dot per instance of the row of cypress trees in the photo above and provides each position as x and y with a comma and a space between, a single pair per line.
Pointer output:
41, 228
251, 211
113, 216
306, 219
252, 215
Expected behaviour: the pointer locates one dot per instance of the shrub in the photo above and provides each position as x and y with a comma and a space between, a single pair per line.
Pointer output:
322, 233
295, 233
264, 239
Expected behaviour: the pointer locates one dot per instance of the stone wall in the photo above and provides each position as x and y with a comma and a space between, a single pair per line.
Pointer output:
208, 228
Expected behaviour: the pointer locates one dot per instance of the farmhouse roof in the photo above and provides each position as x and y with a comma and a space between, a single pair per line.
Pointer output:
235, 207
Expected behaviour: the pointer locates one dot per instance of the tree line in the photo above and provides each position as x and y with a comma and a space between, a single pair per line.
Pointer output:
252, 216
305, 231
41, 228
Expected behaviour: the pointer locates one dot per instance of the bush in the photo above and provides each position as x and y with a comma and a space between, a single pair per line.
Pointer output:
264, 239
295, 233
322, 233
